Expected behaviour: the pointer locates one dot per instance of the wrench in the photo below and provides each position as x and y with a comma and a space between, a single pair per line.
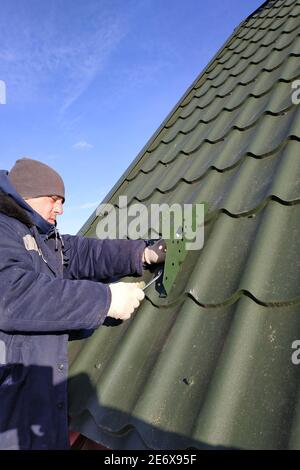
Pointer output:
153, 280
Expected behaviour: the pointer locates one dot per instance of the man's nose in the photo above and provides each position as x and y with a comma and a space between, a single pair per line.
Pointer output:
58, 208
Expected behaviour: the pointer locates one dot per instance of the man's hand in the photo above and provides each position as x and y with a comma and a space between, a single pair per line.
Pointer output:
125, 298
155, 253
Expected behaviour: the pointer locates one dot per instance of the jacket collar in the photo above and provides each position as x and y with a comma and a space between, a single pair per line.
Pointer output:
13, 205
10, 208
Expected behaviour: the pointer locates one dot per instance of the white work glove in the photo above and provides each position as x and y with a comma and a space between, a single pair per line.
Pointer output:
125, 297
155, 253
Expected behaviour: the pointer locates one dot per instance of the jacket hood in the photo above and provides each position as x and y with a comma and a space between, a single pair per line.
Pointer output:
8, 189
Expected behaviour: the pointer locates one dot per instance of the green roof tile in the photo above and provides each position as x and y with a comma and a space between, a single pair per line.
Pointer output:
210, 365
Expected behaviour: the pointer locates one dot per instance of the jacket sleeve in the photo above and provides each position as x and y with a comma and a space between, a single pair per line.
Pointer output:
89, 258
31, 301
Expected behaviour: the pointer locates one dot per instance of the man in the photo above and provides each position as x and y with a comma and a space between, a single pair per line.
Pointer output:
50, 287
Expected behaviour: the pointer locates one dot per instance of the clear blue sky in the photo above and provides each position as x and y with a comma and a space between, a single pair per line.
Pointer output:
89, 81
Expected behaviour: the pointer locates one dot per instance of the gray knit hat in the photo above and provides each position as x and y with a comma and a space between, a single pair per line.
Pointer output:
32, 178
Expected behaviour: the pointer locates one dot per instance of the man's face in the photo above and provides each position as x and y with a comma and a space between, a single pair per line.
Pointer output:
49, 207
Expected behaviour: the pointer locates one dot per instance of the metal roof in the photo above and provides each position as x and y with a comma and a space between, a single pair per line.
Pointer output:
210, 365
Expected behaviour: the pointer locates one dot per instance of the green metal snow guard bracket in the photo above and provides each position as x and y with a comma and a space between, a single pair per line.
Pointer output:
176, 249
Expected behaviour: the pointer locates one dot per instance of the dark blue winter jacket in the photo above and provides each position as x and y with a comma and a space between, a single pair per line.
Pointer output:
49, 288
